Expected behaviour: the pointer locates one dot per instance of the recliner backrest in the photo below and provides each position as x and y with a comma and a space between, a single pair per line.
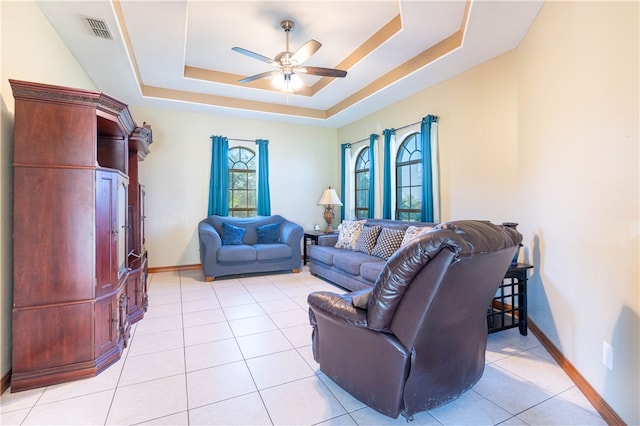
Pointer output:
433, 296
459, 238
399, 272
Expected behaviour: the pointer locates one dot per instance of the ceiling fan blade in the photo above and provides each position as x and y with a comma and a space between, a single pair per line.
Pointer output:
324, 72
306, 51
257, 77
254, 55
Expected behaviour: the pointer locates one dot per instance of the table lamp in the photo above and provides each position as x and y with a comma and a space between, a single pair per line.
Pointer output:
328, 199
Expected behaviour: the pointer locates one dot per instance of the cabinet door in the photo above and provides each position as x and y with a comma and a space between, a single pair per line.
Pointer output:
106, 327
111, 230
136, 293
106, 232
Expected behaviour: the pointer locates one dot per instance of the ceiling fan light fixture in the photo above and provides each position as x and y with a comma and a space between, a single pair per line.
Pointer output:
287, 82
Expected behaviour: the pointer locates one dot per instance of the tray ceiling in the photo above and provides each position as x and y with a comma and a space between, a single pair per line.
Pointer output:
177, 54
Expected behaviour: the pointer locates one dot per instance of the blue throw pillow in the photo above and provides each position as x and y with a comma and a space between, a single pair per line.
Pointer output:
231, 235
268, 234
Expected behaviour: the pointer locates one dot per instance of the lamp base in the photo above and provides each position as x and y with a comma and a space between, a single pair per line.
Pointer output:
328, 217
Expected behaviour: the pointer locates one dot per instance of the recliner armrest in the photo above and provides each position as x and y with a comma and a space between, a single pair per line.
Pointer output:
338, 307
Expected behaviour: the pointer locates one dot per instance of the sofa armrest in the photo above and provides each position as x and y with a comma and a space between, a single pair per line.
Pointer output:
339, 307
210, 243
291, 234
328, 240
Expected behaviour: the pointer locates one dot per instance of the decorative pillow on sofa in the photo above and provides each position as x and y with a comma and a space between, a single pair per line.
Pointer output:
231, 235
388, 242
367, 239
413, 233
349, 233
268, 234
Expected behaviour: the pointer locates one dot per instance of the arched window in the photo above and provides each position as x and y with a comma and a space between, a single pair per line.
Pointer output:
362, 184
242, 182
409, 179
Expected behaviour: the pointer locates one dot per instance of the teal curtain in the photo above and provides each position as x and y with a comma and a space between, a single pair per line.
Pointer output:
426, 214
372, 174
219, 177
264, 196
386, 176
343, 183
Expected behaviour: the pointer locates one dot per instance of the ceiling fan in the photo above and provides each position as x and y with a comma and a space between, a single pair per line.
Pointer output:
290, 64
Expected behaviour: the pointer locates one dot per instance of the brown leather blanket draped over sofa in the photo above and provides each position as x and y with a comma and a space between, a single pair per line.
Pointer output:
417, 339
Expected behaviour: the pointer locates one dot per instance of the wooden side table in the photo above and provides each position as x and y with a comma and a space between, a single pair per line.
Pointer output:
311, 237
509, 306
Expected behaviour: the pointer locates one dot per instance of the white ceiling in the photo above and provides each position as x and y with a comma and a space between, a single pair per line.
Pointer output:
177, 54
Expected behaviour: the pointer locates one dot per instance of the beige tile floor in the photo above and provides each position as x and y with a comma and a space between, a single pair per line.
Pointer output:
237, 352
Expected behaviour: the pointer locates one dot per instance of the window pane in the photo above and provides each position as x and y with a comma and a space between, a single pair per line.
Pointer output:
409, 179
362, 184
239, 180
416, 198
362, 180
362, 214
232, 199
416, 174
404, 176
404, 198
242, 182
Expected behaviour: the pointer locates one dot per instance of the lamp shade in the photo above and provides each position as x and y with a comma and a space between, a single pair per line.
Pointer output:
329, 197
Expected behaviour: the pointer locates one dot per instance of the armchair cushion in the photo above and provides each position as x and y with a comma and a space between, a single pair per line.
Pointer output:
231, 235
236, 253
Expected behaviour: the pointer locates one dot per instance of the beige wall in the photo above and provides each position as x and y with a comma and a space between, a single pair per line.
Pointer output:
547, 136
303, 160
578, 183
476, 133
31, 50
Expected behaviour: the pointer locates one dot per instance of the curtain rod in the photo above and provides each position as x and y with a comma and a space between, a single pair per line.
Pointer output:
237, 139
408, 125
398, 128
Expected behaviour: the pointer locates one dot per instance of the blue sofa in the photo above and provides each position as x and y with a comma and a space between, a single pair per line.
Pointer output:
232, 246
351, 269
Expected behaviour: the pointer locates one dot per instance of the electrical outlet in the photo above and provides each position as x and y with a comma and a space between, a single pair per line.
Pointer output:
607, 355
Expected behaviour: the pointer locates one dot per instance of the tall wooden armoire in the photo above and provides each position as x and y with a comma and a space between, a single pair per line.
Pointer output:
80, 265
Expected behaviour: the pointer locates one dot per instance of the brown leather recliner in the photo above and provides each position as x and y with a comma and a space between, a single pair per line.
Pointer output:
418, 340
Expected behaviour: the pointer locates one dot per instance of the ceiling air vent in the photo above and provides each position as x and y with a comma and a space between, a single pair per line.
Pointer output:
99, 28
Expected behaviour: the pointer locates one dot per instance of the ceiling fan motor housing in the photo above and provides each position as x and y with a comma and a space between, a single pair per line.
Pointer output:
287, 25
